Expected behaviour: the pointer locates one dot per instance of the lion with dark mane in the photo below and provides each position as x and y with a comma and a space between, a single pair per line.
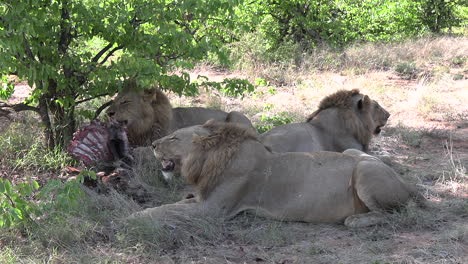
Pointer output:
234, 172
343, 120
148, 114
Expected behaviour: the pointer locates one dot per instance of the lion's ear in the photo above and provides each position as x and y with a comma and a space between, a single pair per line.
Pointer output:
150, 95
364, 102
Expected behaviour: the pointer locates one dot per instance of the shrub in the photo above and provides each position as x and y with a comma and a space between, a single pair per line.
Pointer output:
269, 122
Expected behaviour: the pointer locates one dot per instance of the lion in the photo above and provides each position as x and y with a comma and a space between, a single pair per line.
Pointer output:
148, 114
234, 172
343, 120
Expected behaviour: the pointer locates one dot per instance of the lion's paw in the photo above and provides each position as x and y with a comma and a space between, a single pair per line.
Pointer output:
364, 220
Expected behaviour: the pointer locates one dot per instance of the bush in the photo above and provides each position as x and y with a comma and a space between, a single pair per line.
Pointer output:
21, 203
407, 70
269, 122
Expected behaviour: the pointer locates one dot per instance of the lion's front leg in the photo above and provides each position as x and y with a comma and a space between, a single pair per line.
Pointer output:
173, 212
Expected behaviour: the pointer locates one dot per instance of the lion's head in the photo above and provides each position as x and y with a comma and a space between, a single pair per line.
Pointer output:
201, 152
146, 113
380, 117
173, 148
361, 115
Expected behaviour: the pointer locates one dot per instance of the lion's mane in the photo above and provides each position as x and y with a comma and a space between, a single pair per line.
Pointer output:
205, 164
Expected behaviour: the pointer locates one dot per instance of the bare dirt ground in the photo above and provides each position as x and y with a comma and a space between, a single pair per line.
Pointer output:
426, 141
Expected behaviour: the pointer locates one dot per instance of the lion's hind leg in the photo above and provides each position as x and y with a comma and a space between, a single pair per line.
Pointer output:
380, 189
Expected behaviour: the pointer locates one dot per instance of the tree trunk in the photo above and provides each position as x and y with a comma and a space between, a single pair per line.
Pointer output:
64, 124
48, 130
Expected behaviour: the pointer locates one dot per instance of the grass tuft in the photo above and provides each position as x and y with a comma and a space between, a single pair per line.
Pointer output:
27, 150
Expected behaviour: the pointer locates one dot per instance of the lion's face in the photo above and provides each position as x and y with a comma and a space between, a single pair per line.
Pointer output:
172, 149
133, 109
379, 116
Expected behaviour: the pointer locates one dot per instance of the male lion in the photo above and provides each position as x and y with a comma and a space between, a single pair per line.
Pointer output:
345, 119
148, 114
233, 172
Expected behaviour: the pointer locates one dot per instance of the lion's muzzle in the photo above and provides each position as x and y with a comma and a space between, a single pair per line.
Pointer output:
378, 130
167, 165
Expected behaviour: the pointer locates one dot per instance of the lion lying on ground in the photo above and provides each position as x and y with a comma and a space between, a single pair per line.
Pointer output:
345, 119
148, 114
234, 172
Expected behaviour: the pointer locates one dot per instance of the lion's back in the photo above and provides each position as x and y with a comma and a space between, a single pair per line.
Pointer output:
191, 116
294, 137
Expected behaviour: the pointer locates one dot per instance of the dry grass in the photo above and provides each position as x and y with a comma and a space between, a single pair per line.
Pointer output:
424, 53
426, 141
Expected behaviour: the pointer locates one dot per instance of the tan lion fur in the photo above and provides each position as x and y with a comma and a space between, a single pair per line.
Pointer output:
361, 128
345, 119
339, 99
211, 154
149, 114
234, 172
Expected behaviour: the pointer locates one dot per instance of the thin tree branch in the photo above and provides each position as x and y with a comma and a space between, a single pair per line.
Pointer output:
5, 113
19, 107
101, 108
100, 53
27, 48
91, 98
111, 53
16, 108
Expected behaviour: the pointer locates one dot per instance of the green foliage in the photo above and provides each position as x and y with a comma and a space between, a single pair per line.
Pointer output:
407, 70
6, 89
255, 49
268, 122
441, 14
381, 20
233, 87
459, 60
22, 202
275, 27
61, 197
71, 51
261, 82
14, 207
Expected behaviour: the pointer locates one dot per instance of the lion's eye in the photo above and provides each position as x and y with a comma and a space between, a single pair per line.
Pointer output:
124, 102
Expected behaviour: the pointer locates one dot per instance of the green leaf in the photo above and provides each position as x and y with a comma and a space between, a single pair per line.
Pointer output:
25, 189
16, 214
35, 185
6, 88
7, 219
2, 186
7, 185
